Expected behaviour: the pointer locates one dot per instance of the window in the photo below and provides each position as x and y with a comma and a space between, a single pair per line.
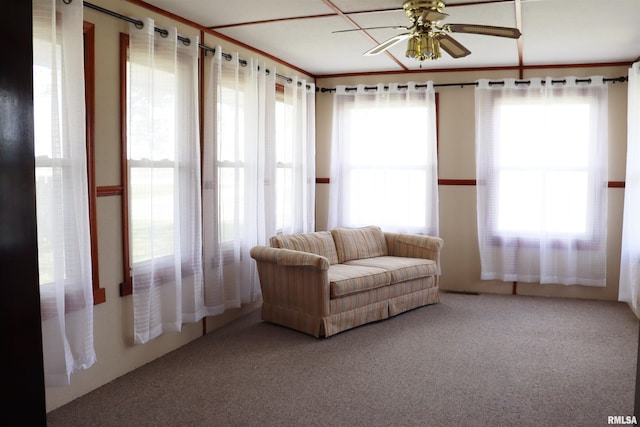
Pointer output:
162, 150
62, 190
389, 161
293, 158
284, 162
230, 161
46, 165
55, 166
162, 209
384, 164
541, 164
151, 167
544, 182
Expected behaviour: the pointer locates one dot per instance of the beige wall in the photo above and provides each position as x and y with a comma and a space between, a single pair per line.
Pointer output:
456, 156
113, 320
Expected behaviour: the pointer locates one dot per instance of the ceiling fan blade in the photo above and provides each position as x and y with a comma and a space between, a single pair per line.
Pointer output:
394, 27
487, 30
387, 44
451, 46
432, 16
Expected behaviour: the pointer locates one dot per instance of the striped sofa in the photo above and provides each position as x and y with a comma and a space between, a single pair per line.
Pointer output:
326, 282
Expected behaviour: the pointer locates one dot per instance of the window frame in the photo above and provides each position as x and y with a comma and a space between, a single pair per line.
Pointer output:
348, 106
126, 287
162, 263
99, 293
515, 238
227, 247
279, 165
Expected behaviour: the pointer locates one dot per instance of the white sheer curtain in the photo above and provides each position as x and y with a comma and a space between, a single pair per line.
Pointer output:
64, 253
384, 159
239, 136
295, 159
164, 182
630, 265
541, 163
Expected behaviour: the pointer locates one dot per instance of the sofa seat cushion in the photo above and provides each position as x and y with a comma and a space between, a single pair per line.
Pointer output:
319, 243
347, 280
359, 243
400, 268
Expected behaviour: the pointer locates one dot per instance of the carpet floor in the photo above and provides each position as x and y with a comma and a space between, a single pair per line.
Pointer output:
472, 360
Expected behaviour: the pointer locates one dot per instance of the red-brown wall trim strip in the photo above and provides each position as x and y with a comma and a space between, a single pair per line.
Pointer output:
456, 182
610, 184
109, 190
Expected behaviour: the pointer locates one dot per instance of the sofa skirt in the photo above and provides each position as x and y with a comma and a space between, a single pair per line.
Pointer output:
356, 310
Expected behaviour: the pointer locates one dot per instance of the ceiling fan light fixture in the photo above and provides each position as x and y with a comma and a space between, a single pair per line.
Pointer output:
426, 36
423, 46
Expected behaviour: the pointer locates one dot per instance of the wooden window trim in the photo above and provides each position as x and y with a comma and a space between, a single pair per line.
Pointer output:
88, 28
126, 287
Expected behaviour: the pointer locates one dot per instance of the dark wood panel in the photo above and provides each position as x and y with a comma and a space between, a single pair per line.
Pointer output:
23, 394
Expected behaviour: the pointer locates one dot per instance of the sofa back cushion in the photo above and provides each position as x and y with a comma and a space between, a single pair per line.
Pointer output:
359, 243
319, 243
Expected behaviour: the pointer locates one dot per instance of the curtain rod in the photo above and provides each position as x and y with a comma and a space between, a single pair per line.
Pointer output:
620, 79
139, 24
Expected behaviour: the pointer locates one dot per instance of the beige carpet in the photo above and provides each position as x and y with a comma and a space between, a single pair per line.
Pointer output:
472, 360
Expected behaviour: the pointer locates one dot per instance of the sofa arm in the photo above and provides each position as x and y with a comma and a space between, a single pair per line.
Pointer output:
288, 257
293, 280
415, 246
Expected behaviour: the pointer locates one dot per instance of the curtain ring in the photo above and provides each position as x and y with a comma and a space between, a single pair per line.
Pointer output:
67, 1
163, 32
139, 25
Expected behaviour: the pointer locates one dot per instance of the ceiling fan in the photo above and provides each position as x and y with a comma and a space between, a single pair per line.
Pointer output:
426, 37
